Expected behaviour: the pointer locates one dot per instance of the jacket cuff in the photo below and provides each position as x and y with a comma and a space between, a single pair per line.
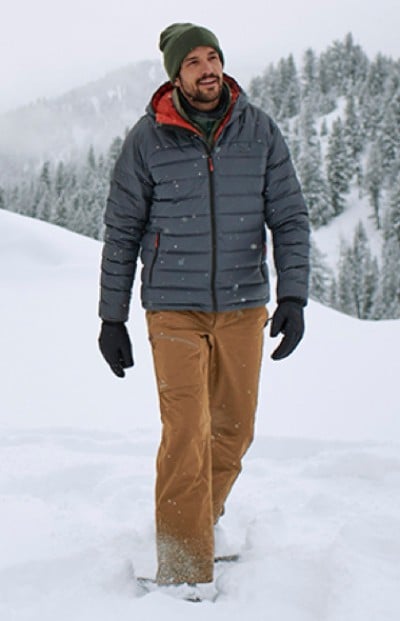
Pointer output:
300, 301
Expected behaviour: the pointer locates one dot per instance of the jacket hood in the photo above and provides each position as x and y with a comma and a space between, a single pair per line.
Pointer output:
162, 109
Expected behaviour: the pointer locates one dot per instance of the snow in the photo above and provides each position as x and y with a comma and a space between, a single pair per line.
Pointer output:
315, 513
358, 208
342, 227
338, 112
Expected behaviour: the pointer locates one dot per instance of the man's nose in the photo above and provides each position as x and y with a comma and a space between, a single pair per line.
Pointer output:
206, 66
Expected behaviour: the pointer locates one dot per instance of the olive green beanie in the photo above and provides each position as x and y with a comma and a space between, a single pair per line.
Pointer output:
178, 40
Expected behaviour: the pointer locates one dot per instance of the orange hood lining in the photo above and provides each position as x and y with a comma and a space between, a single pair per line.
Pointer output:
167, 114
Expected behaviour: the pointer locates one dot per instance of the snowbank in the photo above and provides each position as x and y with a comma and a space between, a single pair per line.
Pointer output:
315, 513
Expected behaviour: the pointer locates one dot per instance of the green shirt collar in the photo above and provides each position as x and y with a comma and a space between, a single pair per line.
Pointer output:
206, 121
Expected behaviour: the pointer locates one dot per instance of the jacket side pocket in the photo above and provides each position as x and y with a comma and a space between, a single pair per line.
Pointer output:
263, 261
155, 256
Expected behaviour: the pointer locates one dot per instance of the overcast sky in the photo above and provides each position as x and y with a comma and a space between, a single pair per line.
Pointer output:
50, 46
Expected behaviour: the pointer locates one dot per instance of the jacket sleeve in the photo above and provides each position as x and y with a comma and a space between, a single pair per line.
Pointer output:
125, 218
286, 216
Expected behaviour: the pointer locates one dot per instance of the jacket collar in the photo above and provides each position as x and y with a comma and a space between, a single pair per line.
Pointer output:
162, 108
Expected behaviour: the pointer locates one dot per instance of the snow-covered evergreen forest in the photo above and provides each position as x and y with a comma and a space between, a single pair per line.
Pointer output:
340, 113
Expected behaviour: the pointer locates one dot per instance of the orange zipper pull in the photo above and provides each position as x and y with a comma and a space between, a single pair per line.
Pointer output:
210, 164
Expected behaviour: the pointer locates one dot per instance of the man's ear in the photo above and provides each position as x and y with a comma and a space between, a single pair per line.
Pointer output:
177, 81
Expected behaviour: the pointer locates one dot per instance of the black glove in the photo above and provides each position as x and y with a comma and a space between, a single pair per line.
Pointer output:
288, 319
115, 346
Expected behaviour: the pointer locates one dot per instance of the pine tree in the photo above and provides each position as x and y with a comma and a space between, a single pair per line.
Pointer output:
344, 294
393, 226
327, 101
309, 77
343, 66
60, 179
256, 91
321, 276
365, 275
101, 166
114, 151
388, 300
378, 72
374, 182
358, 277
337, 167
77, 218
289, 89
309, 165
358, 260
15, 198
43, 199
324, 75
60, 215
372, 95
334, 62
263, 91
333, 294
44, 177
370, 289
353, 136
294, 140
2, 198
389, 136
91, 158
26, 190
355, 64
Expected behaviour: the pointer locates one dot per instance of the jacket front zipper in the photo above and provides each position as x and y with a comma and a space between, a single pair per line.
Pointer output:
210, 167
213, 234
155, 256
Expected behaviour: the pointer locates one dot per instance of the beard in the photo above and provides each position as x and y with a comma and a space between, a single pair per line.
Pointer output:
201, 93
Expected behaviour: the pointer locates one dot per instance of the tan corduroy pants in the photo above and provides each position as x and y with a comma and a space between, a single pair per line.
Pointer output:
207, 368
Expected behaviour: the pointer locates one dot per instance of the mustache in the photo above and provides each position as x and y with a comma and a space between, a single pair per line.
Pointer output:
206, 77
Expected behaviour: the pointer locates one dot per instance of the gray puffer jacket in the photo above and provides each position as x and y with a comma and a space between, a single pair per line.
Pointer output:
197, 215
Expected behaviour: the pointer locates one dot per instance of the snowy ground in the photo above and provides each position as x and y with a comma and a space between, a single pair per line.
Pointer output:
315, 514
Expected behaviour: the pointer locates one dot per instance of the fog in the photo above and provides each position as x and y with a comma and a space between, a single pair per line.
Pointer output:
48, 47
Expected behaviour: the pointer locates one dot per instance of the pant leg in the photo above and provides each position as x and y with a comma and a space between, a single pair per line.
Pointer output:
233, 392
184, 517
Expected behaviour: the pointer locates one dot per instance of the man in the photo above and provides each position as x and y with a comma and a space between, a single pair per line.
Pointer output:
199, 177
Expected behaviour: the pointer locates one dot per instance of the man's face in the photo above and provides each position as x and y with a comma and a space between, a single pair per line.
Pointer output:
201, 78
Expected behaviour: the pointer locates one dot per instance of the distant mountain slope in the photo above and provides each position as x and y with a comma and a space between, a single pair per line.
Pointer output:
91, 114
